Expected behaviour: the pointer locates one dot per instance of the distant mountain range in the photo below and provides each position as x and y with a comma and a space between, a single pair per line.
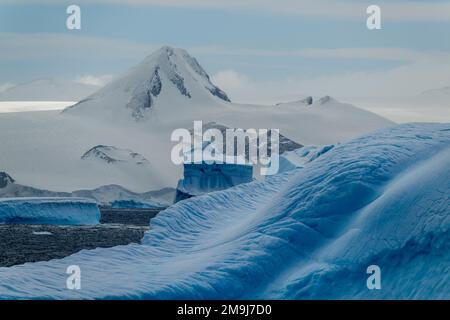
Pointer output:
440, 96
120, 134
104, 195
48, 90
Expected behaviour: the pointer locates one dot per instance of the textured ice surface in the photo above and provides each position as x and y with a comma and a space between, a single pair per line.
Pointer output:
308, 233
133, 204
298, 158
61, 211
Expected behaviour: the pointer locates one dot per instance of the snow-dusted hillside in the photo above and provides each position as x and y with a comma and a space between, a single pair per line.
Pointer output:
312, 232
138, 112
48, 90
115, 156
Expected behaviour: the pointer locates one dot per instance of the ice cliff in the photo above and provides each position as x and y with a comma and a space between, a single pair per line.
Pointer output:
61, 211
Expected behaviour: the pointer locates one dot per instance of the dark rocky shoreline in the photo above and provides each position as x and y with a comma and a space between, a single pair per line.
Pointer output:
31, 243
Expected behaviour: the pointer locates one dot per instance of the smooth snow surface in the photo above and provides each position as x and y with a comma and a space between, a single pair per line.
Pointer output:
60, 211
27, 106
311, 232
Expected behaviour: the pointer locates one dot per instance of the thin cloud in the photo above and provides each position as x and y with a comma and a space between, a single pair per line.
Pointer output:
335, 9
15, 46
35, 46
398, 82
98, 81
385, 54
5, 86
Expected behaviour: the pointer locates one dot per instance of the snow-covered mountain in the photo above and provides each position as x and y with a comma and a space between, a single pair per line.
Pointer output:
114, 155
138, 112
166, 81
309, 233
48, 89
284, 143
5, 180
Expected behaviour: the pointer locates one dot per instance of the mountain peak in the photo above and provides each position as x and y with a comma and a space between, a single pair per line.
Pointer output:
168, 57
166, 48
169, 51
167, 78
165, 52
5, 179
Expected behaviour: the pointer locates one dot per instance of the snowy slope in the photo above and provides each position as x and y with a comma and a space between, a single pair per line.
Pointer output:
28, 106
298, 158
138, 112
59, 211
113, 155
48, 90
379, 199
168, 80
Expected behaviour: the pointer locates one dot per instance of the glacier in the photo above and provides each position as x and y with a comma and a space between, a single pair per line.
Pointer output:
56, 210
306, 233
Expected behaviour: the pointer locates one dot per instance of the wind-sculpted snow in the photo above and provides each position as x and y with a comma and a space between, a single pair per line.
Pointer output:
60, 211
299, 157
307, 233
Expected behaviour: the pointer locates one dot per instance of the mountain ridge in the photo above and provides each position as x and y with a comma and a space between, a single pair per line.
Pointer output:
48, 89
167, 77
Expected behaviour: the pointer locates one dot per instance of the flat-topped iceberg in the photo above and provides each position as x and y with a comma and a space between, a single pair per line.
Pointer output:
58, 211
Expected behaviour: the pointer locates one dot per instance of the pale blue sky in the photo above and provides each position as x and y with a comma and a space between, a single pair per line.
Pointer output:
267, 41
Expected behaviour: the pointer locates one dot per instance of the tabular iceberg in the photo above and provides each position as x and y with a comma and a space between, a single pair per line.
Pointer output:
60, 211
307, 233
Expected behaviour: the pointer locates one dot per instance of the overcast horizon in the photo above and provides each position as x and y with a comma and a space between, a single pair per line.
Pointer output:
260, 52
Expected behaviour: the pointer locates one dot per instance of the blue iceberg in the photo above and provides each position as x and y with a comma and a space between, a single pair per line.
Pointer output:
381, 199
59, 211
